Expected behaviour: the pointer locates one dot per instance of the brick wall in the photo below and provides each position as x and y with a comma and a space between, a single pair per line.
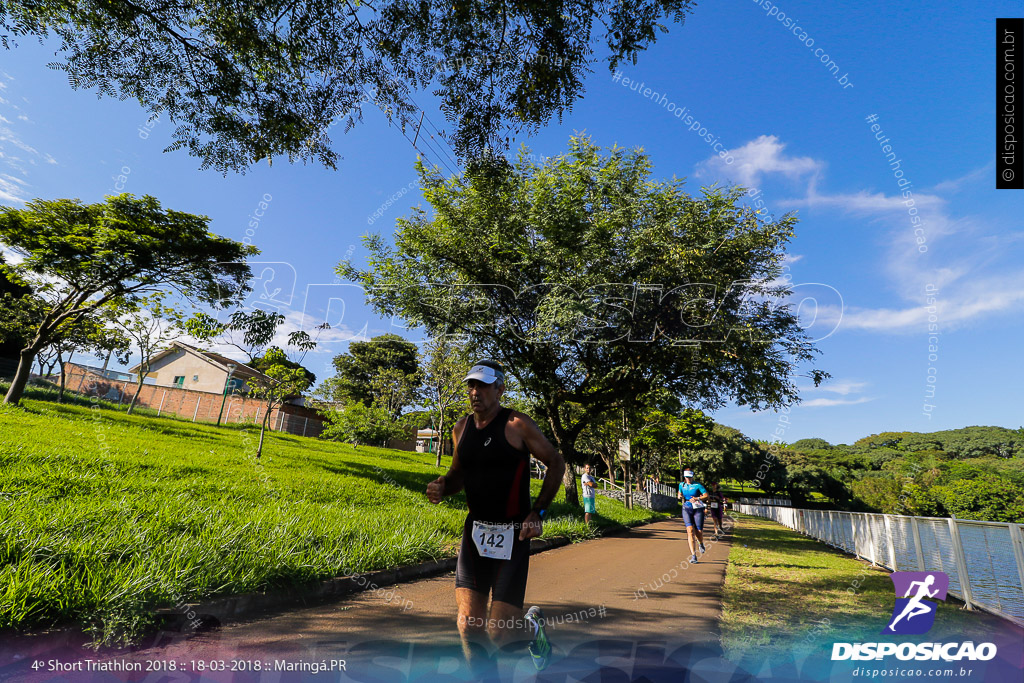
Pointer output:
199, 406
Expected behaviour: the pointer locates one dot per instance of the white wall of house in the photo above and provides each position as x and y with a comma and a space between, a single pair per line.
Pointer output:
196, 373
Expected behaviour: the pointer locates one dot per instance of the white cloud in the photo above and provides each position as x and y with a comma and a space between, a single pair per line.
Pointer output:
828, 402
968, 301
844, 387
12, 257
957, 184
963, 252
758, 157
12, 189
863, 202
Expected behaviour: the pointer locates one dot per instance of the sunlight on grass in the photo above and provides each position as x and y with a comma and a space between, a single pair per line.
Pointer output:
105, 517
785, 592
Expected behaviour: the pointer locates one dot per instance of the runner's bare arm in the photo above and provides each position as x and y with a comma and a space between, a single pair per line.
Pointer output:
542, 449
450, 483
538, 445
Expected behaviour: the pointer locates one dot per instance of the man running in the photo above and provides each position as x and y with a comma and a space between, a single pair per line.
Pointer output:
589, 501
491, 462
693, 497
716, 503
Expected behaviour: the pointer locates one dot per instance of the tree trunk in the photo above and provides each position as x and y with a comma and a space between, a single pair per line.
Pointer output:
609, 464
20, 379
138, 390
440, 440
143, 372
569, 480
263, 430
568, 451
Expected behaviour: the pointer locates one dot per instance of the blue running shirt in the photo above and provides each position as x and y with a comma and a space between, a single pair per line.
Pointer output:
689, 490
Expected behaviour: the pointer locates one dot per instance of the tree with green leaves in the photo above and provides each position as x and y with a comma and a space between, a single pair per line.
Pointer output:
358, 423
445, 363
254, 80
80, 257
601, 436
151, 325
597, 276
673, 435
16, 306
366, 360
811, 444
264, 361
253, 333
389, 392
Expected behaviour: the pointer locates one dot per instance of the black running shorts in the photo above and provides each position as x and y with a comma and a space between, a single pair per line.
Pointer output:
506, 578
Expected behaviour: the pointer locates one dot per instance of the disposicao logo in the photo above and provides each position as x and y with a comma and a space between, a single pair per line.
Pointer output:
914, 614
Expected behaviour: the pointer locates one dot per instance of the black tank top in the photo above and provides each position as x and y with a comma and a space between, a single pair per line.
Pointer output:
496, 475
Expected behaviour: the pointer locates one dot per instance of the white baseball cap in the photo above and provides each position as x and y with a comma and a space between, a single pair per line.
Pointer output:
687, 473
485, 374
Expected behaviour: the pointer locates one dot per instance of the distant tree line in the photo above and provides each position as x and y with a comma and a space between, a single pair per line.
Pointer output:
969, 473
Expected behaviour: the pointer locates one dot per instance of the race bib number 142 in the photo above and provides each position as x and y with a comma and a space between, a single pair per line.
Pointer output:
493, 540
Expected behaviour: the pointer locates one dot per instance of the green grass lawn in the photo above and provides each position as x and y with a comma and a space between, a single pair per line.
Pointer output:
105, 517
787, 592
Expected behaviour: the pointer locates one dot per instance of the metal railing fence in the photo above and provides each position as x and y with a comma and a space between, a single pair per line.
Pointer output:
785, 502
658, 487
984, 560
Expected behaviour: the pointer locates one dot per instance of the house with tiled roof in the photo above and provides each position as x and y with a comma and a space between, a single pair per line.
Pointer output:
187, 367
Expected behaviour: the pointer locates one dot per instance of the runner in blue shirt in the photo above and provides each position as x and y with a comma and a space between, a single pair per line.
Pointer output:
693, 497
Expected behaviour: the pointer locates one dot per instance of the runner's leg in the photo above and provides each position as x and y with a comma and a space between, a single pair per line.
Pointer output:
506, 625
688, 521
472, 621
472, 617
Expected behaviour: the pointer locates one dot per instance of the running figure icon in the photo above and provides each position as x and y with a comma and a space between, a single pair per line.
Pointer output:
914, 592
915, 607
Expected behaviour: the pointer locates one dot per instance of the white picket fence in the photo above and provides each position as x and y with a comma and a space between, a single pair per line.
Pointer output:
984, 560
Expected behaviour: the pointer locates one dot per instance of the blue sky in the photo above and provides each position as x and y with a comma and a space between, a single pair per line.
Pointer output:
793, 130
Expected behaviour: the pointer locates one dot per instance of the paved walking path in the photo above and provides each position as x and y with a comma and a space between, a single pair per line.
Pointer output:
629, 600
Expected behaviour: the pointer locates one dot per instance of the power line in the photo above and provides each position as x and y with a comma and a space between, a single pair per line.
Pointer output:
411, 141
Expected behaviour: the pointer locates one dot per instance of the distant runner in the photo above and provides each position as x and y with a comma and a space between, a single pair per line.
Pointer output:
716, 503
589, 501
492, 463
693, 497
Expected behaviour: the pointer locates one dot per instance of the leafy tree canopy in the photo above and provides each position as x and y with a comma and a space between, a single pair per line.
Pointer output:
366, 360
254, 80
810, 444
276, 356
597, 277
80, 257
